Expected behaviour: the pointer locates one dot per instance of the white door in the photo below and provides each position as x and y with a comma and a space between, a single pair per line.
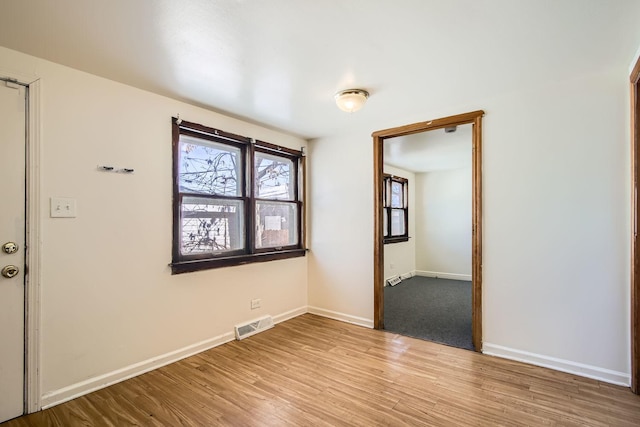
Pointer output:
12, 230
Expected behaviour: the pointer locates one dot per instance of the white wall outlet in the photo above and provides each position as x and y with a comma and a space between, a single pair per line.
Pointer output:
62, 207
392, 266
255, 303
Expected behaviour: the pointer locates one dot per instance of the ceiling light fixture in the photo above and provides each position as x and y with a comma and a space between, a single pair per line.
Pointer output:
351, 100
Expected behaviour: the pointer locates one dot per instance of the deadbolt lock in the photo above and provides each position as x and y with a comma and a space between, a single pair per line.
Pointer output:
10, 271
10, 248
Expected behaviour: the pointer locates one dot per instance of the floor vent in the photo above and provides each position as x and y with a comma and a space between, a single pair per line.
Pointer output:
394, 281
245, 330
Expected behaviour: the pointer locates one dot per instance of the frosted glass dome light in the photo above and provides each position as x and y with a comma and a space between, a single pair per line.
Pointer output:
351, 100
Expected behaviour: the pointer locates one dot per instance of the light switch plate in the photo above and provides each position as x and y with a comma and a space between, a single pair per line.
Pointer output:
63, 207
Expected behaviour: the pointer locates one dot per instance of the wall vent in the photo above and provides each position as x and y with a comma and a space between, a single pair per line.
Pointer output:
245, 330
394, 281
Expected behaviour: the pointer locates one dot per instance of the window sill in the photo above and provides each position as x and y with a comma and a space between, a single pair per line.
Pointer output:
211, 263
388, 240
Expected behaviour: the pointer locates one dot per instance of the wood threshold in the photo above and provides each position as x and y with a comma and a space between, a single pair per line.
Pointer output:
475, 118
316, 371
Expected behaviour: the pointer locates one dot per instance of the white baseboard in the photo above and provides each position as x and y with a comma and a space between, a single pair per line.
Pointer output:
62, 395
442, 275
65, 394
290, 314
360, 321
593, 372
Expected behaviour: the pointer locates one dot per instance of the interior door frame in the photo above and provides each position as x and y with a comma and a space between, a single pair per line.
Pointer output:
635, 215
32, 400
475, 118
34, 249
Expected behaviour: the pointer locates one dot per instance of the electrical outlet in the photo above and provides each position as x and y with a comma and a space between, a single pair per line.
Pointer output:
392, 266
255, 303
62, 207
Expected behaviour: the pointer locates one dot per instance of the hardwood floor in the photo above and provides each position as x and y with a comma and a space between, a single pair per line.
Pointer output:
319, 372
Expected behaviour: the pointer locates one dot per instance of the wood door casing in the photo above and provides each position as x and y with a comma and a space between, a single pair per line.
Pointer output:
635, 249
475, 118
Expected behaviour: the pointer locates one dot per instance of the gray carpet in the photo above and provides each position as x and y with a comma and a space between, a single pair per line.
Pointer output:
432, 309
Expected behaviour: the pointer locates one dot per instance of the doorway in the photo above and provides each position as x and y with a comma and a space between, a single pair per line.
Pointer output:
427, 292
20, 224
379, 138
13, 104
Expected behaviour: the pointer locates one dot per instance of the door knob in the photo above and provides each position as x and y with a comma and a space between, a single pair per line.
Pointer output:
10, 271
10, 248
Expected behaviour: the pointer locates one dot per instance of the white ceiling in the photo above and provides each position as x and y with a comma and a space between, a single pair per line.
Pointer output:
279, 62
430, 151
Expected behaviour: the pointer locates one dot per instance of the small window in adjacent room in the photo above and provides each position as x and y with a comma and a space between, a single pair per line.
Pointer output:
235, 200
395, 204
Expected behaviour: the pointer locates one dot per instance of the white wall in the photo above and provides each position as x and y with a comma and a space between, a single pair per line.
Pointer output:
444, 222
108, 298
556, 248
341, 228
556, 221
400, 258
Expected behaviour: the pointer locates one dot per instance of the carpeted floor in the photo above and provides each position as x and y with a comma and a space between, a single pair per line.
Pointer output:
432, 309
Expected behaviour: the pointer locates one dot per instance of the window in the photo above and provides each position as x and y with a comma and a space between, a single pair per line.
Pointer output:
235, 200
395, 217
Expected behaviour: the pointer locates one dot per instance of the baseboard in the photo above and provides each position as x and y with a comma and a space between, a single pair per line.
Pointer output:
56, 397
65, 394
290, 314
568, 366
360, 321
441, 275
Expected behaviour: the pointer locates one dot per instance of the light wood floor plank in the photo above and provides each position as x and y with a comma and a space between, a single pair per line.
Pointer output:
313, 371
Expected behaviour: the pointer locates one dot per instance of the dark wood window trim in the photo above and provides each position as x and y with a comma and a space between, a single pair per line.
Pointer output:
389, 238
248, 148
